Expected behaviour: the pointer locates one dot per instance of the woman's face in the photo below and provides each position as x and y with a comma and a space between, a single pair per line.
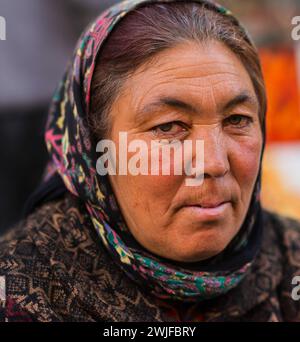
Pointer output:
190, 92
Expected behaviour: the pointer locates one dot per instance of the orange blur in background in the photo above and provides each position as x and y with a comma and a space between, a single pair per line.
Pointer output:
281, 170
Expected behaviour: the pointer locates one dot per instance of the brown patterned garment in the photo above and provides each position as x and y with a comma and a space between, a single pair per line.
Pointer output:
54, 271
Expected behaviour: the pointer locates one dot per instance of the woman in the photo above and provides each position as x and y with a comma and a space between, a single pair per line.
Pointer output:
141, 246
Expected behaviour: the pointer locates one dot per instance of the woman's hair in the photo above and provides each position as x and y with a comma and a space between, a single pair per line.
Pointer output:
150, 29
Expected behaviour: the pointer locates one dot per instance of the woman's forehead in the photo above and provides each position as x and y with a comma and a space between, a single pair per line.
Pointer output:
192, 61
190, 79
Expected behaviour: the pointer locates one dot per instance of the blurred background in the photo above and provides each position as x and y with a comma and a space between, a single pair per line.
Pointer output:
41, 35
270, 24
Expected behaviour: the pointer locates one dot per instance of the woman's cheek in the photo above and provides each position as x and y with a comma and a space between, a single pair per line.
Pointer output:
155, 182
245, 162
157, 189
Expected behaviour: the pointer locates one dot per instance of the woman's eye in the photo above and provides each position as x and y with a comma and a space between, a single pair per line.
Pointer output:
170, 128
237, 120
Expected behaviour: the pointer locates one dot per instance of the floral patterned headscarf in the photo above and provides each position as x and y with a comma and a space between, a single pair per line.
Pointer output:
73, 156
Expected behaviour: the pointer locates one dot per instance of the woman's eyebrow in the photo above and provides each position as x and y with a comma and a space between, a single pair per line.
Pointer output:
164, 102
243, 97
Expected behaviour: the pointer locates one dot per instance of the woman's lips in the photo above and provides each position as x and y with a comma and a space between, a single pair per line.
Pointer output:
207, 212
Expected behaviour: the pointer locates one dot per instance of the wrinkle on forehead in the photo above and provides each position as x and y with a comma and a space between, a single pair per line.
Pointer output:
191, 73
193, 62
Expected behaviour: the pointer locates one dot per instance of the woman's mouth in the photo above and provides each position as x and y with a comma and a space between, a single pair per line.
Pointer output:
208, 211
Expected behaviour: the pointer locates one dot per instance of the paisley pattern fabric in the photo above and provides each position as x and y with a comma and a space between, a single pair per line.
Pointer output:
74, 157
56, 270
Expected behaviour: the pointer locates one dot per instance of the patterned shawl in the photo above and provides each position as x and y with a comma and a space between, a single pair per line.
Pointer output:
73, 156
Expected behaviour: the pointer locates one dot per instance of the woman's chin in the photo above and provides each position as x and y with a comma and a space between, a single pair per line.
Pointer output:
198, 247
200, 240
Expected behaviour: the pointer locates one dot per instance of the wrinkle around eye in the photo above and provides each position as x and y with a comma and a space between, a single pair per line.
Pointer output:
180, 133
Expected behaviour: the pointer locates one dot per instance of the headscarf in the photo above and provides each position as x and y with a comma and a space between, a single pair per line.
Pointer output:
73, 155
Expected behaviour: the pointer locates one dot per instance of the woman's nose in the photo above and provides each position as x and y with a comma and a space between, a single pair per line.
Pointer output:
216, 162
